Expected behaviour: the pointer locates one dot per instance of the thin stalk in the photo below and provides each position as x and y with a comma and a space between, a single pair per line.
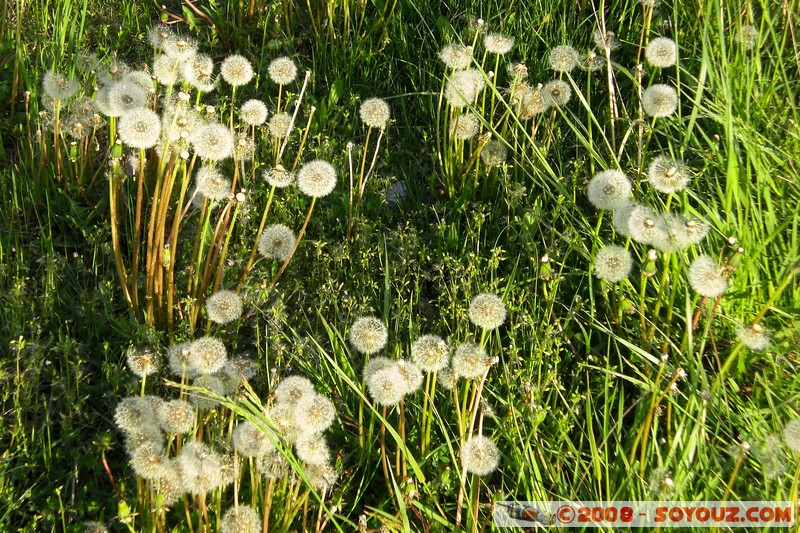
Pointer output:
296, 244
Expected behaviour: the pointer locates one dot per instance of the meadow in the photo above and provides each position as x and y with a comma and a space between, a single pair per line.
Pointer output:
377, 265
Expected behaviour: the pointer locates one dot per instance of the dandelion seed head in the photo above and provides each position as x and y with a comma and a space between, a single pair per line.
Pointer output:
791, 435
149, 461
314, 412
243, 146
212, 184
591, 61
165, 70
496, 43
446, 378
563, 58
178, 360
479, 455
411, 374
212, 385
137, 414
375, 112
375, 364
748, 36
253, 112
529, 101
661, 52
279, 125
140, 128
240, 368
696, 230
494, 153
557, 92
122, 98
755, 337
93, 526
276, 242
368, 335
272, 466
469, 361
313, 449
321, 477
613, 263
57, 86
609, 189
456, 56
487, 311
464, 126
198, 71
207, 355
292, 389
621, 218
278, 177
179, 48
645, 226
282, 71
241, 519
430, 352
707, 278
463, 87
250, 441
660, 100
176, 416
142, 362
236, 70
386, 386
201, 468
212, 142
605, 40
668, 175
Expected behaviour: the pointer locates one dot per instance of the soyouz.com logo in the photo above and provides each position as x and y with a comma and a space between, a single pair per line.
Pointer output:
643, 514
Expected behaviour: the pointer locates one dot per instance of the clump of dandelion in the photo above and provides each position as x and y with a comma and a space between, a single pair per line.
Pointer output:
494, 154
791, 435
224, 307
249, 440
613, 263
278, 176
487, 311
254, 112
176, 416
386, 386
312, 449
375, 112
668, 175
57, 86
470, 361
212, 184
282, 71
748, 36
496, 43
368, 335
661, 52
660, 100
316, 412
279, 125
557, 92
707, 278
430, 352
276, 242
479, 455
605, 40
609, 189
292, 389
463, 87
755, 337
464, 126
563, 58
207, 355
213, 142
316, 178
142, 362
236, 70
141, 128
456, 56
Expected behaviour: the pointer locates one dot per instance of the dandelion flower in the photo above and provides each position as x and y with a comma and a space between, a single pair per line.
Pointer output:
463, 87
236, 70
605, 40
791, 435
496, 43
660, 100
645, 226
137, 413
315, 412
456, 56
487, 311
375, 112
464, 127
321, 477
707, 278
282, 71
609, 189
754, 337
430, 352
207, 355
557, 92
621, 219
176, 416
142, 362
316, 179
122, 98
250, 441
213, 385
470, 361
57, 86
224, 307
667, 175
198, 71
375, 364
368, 335
494, 154
212, 184
279, 125
563, 58
612, 263
276, 242
165, 70
696, 231
312, 449
411, 374
141, 128
386, 386
179, 48
148, 461
201, 467
253, 112
278, 176
241, 519
529, 101
748, 36
661, 52
213, 142
480, 455
292, 389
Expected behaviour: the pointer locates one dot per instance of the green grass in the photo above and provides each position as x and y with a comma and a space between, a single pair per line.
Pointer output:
583, 403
